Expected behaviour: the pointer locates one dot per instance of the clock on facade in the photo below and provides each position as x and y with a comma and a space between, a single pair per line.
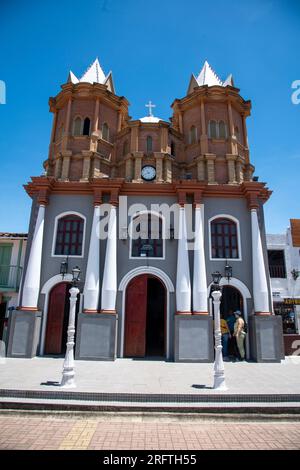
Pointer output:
148, 173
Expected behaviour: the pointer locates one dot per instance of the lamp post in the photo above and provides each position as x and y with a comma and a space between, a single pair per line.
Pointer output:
219, 373
68, 374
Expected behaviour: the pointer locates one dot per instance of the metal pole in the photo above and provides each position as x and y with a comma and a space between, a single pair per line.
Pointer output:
68, 380
219, 373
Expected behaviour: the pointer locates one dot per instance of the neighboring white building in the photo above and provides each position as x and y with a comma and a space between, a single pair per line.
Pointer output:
12, 254
284, 266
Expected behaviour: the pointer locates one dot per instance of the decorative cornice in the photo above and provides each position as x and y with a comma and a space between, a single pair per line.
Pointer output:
255, 192
213, 93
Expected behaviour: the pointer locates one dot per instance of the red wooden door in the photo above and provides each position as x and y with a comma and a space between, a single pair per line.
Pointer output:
55, 318
136, 314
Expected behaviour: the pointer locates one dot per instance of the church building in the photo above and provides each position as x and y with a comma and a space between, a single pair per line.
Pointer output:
178, 201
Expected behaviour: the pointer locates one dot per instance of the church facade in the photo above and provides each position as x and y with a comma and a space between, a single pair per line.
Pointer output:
147, 209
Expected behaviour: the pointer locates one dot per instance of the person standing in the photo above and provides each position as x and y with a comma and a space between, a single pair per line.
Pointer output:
232, 348
225, 337
239, 333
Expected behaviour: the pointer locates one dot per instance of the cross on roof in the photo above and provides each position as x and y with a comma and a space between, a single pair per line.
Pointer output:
150, 106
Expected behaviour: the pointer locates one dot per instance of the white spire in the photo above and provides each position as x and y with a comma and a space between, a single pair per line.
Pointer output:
72, 78
208, 77
94, 74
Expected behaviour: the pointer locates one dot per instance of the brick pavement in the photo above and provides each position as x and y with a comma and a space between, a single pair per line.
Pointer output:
76, 432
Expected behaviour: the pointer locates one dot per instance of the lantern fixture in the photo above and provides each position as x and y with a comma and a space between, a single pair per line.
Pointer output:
64, 268
75, 275
228, 272
216, 278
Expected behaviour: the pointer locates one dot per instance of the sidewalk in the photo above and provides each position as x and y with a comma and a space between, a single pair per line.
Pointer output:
152, 376
70, 433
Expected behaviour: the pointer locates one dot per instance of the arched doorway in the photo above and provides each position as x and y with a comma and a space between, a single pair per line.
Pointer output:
57, 318
231, 300
145, 317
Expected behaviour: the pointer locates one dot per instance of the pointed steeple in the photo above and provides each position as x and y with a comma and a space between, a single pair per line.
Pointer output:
229, 81
109, 82
94, 74
72, 78
208, 77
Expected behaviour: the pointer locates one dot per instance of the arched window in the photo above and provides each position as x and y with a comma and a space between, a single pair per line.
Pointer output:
149, 143
193, 135
224, 239
146, 233
105, 131
69, 235
212, 129
125, 147
173, 148
222, 130
77, 126
86, 126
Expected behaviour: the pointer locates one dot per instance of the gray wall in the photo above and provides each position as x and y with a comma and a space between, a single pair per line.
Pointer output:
212, 206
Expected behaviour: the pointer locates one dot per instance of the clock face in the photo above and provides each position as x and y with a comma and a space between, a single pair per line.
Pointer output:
148, 173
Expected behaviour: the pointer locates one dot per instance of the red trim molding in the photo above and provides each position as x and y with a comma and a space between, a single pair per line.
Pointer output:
183, 313
28, 309
108, 312
263, 314
42, 186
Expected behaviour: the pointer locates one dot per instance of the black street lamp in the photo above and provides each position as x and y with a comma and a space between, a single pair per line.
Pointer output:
64, 268
75, 273
217, 276
228, 271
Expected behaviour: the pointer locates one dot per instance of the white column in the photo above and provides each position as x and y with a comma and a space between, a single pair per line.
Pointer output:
109, 285
91, 286
199, 281
260, 286
183, 282
31, 285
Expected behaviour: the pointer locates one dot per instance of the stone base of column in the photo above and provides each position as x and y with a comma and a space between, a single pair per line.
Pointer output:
193, 338
23, 333
266, 338
96, 337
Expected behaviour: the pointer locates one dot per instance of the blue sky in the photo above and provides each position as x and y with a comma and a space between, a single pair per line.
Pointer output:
152, 47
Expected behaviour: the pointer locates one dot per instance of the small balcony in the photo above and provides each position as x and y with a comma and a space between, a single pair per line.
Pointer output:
10, 277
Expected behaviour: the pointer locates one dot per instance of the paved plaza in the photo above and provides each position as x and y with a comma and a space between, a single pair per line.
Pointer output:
54, 432
152, 376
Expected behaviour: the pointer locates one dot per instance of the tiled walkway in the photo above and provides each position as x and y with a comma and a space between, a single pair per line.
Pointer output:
151, 376
64, 432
